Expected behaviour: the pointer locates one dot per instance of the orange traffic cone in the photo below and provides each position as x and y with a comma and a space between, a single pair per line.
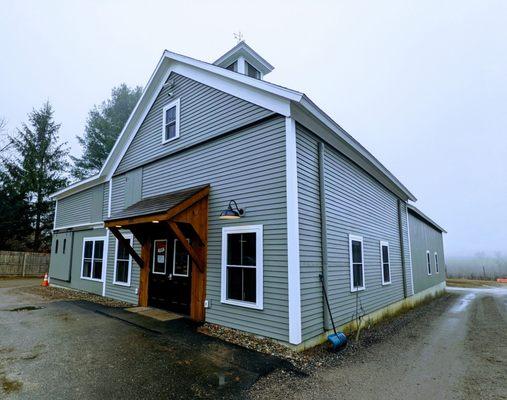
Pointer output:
45, 282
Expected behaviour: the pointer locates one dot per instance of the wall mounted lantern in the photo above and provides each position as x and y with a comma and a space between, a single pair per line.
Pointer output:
232, 212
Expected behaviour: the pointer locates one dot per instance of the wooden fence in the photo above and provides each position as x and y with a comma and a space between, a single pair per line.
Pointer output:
23, 263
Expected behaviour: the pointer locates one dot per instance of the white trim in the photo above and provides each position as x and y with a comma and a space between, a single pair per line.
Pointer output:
294, 276
386, 244
353, 288
410, 252
90, 224
241, 65
259, 275
110, 197
155, 257
428, 263
130, 238
104, 269
435, 257
104, 256
174, 103
56, 210
174, 260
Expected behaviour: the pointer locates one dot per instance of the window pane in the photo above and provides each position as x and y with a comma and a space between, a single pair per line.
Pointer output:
170, 130
87, 268
241, 249
385, 254
387, 277
170, 115
122, 253
160, 257
97, 269
122, 271
249, 284
234, 249
88, 249
180, 259
64, 245
56, 246
232, 67
99, 250
358, 275
429, 262
234, 283
252, 71
356, 252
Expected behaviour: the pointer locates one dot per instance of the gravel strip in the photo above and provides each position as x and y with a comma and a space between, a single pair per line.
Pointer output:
52, 293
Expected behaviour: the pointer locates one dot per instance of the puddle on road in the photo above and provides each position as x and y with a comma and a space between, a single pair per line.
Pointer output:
463, 303
26, 308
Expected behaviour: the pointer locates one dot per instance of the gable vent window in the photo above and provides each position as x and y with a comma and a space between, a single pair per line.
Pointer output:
252, 71
233, 66
171, 123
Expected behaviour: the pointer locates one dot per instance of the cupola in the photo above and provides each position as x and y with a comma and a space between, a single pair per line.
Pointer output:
243, 59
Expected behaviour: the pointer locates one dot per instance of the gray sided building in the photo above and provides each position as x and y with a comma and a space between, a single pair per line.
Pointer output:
226, 197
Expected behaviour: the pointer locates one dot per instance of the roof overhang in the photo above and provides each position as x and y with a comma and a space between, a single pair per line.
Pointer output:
418, 213
283, 101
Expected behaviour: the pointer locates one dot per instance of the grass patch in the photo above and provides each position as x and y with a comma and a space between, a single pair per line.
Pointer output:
473, 283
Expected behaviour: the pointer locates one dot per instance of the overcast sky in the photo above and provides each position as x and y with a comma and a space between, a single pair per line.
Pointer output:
421, 84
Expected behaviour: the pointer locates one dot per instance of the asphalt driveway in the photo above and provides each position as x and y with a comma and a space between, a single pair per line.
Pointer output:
77, 349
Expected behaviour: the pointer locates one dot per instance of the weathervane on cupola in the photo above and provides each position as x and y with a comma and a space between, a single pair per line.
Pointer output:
238, 36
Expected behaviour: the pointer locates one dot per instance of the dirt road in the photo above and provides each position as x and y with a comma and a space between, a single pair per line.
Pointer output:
453, 348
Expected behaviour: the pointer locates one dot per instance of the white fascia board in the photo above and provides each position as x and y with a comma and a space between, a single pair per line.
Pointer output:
310, 116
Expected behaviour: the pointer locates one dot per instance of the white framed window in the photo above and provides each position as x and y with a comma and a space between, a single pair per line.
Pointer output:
181, 259
159, 256
385, 263
356, 263
428, 261
122, 263
436, 263
171, 121
93, 259
242, 266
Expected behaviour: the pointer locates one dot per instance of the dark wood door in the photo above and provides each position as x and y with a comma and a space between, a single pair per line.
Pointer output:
170, 280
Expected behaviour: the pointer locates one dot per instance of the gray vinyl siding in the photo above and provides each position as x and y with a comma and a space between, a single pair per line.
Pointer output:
59, 264
310, 247
76, 259
406, 245
204, 112
84, 207
249, 167
355, 204
424, 237
120, 292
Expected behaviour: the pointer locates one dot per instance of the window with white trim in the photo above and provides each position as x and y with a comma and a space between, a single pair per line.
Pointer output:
385, 263
428, 261
356, 263
242, 266
122, 262
159, 256
436, 263
171, 121
181, 259
93, 259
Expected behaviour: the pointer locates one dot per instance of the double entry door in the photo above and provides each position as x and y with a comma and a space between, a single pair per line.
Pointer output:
170, 276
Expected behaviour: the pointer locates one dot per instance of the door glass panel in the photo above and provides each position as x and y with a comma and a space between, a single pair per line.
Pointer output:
159, 256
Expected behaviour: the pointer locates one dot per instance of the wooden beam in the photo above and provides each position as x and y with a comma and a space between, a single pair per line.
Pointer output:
116, 232
183, 240
164, 216
144, 274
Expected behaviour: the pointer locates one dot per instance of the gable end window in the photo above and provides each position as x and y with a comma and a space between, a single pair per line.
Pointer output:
436, 263
428, 261
171, 121
385, 263
93, 258
242, 266
356, 263
122, 263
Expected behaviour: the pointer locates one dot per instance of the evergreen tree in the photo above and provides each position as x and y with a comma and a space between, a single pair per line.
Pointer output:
35, 169
103, 126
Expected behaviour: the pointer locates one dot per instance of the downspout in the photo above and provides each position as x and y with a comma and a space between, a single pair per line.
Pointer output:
323, 232
402, 247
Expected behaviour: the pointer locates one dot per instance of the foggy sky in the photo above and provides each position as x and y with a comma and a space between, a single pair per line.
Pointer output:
421, 84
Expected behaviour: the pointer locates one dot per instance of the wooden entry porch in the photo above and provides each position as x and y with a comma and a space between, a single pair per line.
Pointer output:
183, 214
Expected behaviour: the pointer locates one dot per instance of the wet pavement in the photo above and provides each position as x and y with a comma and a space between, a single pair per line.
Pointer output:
78, 349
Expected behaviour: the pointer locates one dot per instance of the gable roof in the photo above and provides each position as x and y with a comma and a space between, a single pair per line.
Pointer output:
418, 213
284, 101
244, 50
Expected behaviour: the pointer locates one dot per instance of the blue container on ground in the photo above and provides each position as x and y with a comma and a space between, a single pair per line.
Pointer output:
336, 341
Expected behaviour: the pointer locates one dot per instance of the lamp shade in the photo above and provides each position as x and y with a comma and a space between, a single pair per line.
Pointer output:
232, 213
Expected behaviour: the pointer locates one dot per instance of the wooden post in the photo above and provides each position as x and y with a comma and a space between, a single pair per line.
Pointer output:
144, 274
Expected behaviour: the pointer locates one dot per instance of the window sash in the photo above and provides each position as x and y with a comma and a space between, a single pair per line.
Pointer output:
428, 261
92, 268
385, 262
356, 263
436, 263
249, 278
171, 122
122, 265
